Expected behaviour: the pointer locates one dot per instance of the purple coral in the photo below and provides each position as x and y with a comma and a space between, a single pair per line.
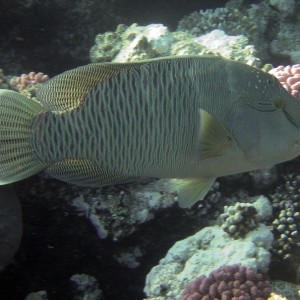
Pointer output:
228, 283
27, 80
289, 77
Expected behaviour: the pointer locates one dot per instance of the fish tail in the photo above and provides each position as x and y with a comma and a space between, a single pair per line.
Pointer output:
17, 118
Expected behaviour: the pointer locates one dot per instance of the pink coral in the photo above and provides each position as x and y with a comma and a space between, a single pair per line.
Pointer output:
27, 80
228, 282
289, 77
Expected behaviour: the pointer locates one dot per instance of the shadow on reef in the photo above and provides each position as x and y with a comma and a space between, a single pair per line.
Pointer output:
57, 244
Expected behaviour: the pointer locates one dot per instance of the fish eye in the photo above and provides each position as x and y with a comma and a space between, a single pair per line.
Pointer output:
278, 103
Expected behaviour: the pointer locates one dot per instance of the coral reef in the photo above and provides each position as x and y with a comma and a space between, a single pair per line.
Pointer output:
229, 19
228, 282
136, 43
40, 295
231, 47
286, 41
285, 228
4, 82
132, 43
286, 216
264, 178
233, 19
26, 81
240, 218
211, 199
289, 77
200, 254
107, 45
285, 6
271, 26
286, 289
274, 296
117, 211
86, 287
130, 259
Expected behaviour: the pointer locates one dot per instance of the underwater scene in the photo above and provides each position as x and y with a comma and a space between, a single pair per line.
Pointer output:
149, 150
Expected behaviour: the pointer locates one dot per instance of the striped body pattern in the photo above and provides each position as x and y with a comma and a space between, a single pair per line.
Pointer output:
142, 122
189, 119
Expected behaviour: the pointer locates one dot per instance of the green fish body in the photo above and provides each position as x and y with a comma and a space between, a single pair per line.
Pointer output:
190, 119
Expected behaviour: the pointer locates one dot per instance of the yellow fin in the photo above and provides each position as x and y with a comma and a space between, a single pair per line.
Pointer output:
214, 139
190, 190
67, 90
85, 173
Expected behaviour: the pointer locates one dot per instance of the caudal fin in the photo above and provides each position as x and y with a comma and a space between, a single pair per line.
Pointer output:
17, 158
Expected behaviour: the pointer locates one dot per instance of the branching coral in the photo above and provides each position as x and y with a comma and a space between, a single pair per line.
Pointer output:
27, 80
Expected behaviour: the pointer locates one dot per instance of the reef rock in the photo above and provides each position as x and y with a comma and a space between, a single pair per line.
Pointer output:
232, 47
205, 251
135, 43
132, 43
272, 26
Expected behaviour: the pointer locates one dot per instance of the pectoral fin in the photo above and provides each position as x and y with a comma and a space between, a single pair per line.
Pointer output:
214, 140
190, 190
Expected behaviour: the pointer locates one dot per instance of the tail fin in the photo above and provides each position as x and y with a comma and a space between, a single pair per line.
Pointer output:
17, 158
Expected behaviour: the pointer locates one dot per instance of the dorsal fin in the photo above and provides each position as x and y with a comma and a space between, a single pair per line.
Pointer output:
66, 91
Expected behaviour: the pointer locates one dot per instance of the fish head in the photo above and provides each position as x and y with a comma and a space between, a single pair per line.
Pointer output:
265, 119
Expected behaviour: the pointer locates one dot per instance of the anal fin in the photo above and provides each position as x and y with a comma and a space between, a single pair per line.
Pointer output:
190, 190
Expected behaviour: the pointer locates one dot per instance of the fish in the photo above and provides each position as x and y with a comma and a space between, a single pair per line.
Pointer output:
189, 119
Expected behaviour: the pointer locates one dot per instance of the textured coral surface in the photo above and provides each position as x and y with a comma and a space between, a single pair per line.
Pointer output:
228, 282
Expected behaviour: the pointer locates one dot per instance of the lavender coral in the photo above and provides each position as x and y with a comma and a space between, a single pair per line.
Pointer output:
232, 282
289, 77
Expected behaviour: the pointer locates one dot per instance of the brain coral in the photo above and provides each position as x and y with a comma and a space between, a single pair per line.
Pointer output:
228, 283
289, 77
